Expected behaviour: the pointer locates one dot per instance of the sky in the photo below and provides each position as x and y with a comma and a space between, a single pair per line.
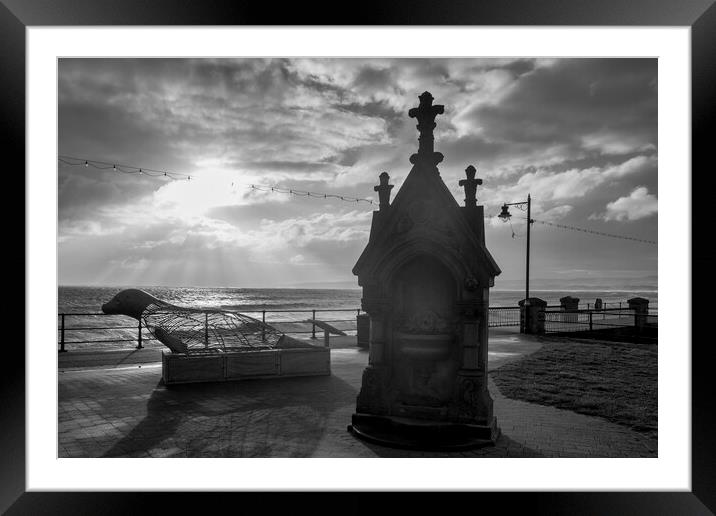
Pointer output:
578, 135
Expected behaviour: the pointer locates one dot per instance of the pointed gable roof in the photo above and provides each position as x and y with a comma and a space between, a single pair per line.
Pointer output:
424, 191
425, 216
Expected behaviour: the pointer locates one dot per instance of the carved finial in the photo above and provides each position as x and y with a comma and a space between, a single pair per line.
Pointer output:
426, 113
470, 185
383, 190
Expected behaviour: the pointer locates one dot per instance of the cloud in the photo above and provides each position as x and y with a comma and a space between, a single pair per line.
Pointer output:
85, 228
575, 133
616, 142
556, 213
302, 232
637, 205
545, 185
631, 166
606, 106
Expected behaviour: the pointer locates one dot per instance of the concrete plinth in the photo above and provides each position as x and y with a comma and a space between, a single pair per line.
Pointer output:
363, 330
569, 303
641, 311
422, 434
532, 315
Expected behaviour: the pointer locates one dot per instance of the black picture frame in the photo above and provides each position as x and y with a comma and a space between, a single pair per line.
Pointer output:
700, 15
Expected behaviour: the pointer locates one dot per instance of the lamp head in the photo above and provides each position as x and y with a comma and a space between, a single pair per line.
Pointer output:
505, 213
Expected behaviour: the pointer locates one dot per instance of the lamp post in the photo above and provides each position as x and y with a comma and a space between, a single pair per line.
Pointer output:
505, 216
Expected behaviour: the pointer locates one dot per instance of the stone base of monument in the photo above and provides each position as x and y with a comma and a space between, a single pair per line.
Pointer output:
220, 366
397, 432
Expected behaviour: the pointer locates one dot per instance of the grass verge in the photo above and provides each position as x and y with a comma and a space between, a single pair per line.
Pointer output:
616, 381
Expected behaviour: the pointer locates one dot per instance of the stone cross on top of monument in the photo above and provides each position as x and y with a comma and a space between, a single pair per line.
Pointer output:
426, 113
470, 185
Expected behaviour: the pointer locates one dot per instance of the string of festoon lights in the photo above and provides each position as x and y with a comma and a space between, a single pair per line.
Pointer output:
593, 232
129, 169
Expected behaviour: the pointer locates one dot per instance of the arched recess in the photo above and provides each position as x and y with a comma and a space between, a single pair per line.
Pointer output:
424, 293
425, 347
396, 259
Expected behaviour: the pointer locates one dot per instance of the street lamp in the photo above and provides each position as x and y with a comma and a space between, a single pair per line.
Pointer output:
505, 216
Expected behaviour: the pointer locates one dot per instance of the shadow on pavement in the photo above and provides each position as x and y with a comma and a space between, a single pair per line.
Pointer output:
283, 417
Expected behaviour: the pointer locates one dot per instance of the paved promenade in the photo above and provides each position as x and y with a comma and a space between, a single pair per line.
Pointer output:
116, 406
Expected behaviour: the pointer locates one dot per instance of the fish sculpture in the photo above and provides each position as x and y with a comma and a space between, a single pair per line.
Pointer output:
193, 330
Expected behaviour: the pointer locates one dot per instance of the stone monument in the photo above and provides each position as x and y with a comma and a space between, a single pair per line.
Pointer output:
426, 275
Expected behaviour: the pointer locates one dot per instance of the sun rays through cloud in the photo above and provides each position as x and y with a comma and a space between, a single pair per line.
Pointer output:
579, 135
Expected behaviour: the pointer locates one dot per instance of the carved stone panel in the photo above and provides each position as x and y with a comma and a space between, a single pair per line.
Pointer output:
425, 349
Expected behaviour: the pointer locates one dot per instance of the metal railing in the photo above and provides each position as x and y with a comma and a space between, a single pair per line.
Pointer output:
498, 316
120, 332
556, 320
611, 305
651, 319
565, 321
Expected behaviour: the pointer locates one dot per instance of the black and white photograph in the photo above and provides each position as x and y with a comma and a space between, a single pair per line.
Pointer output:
357, 257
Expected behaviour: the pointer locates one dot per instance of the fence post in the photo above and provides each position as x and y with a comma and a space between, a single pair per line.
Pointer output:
570, 305
206, 329
313, 332
532, 317
263, 328
590, 321
62, 333
363, 330
640, 306
139, 335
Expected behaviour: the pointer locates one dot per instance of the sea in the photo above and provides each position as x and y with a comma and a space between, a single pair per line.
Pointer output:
286, 308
